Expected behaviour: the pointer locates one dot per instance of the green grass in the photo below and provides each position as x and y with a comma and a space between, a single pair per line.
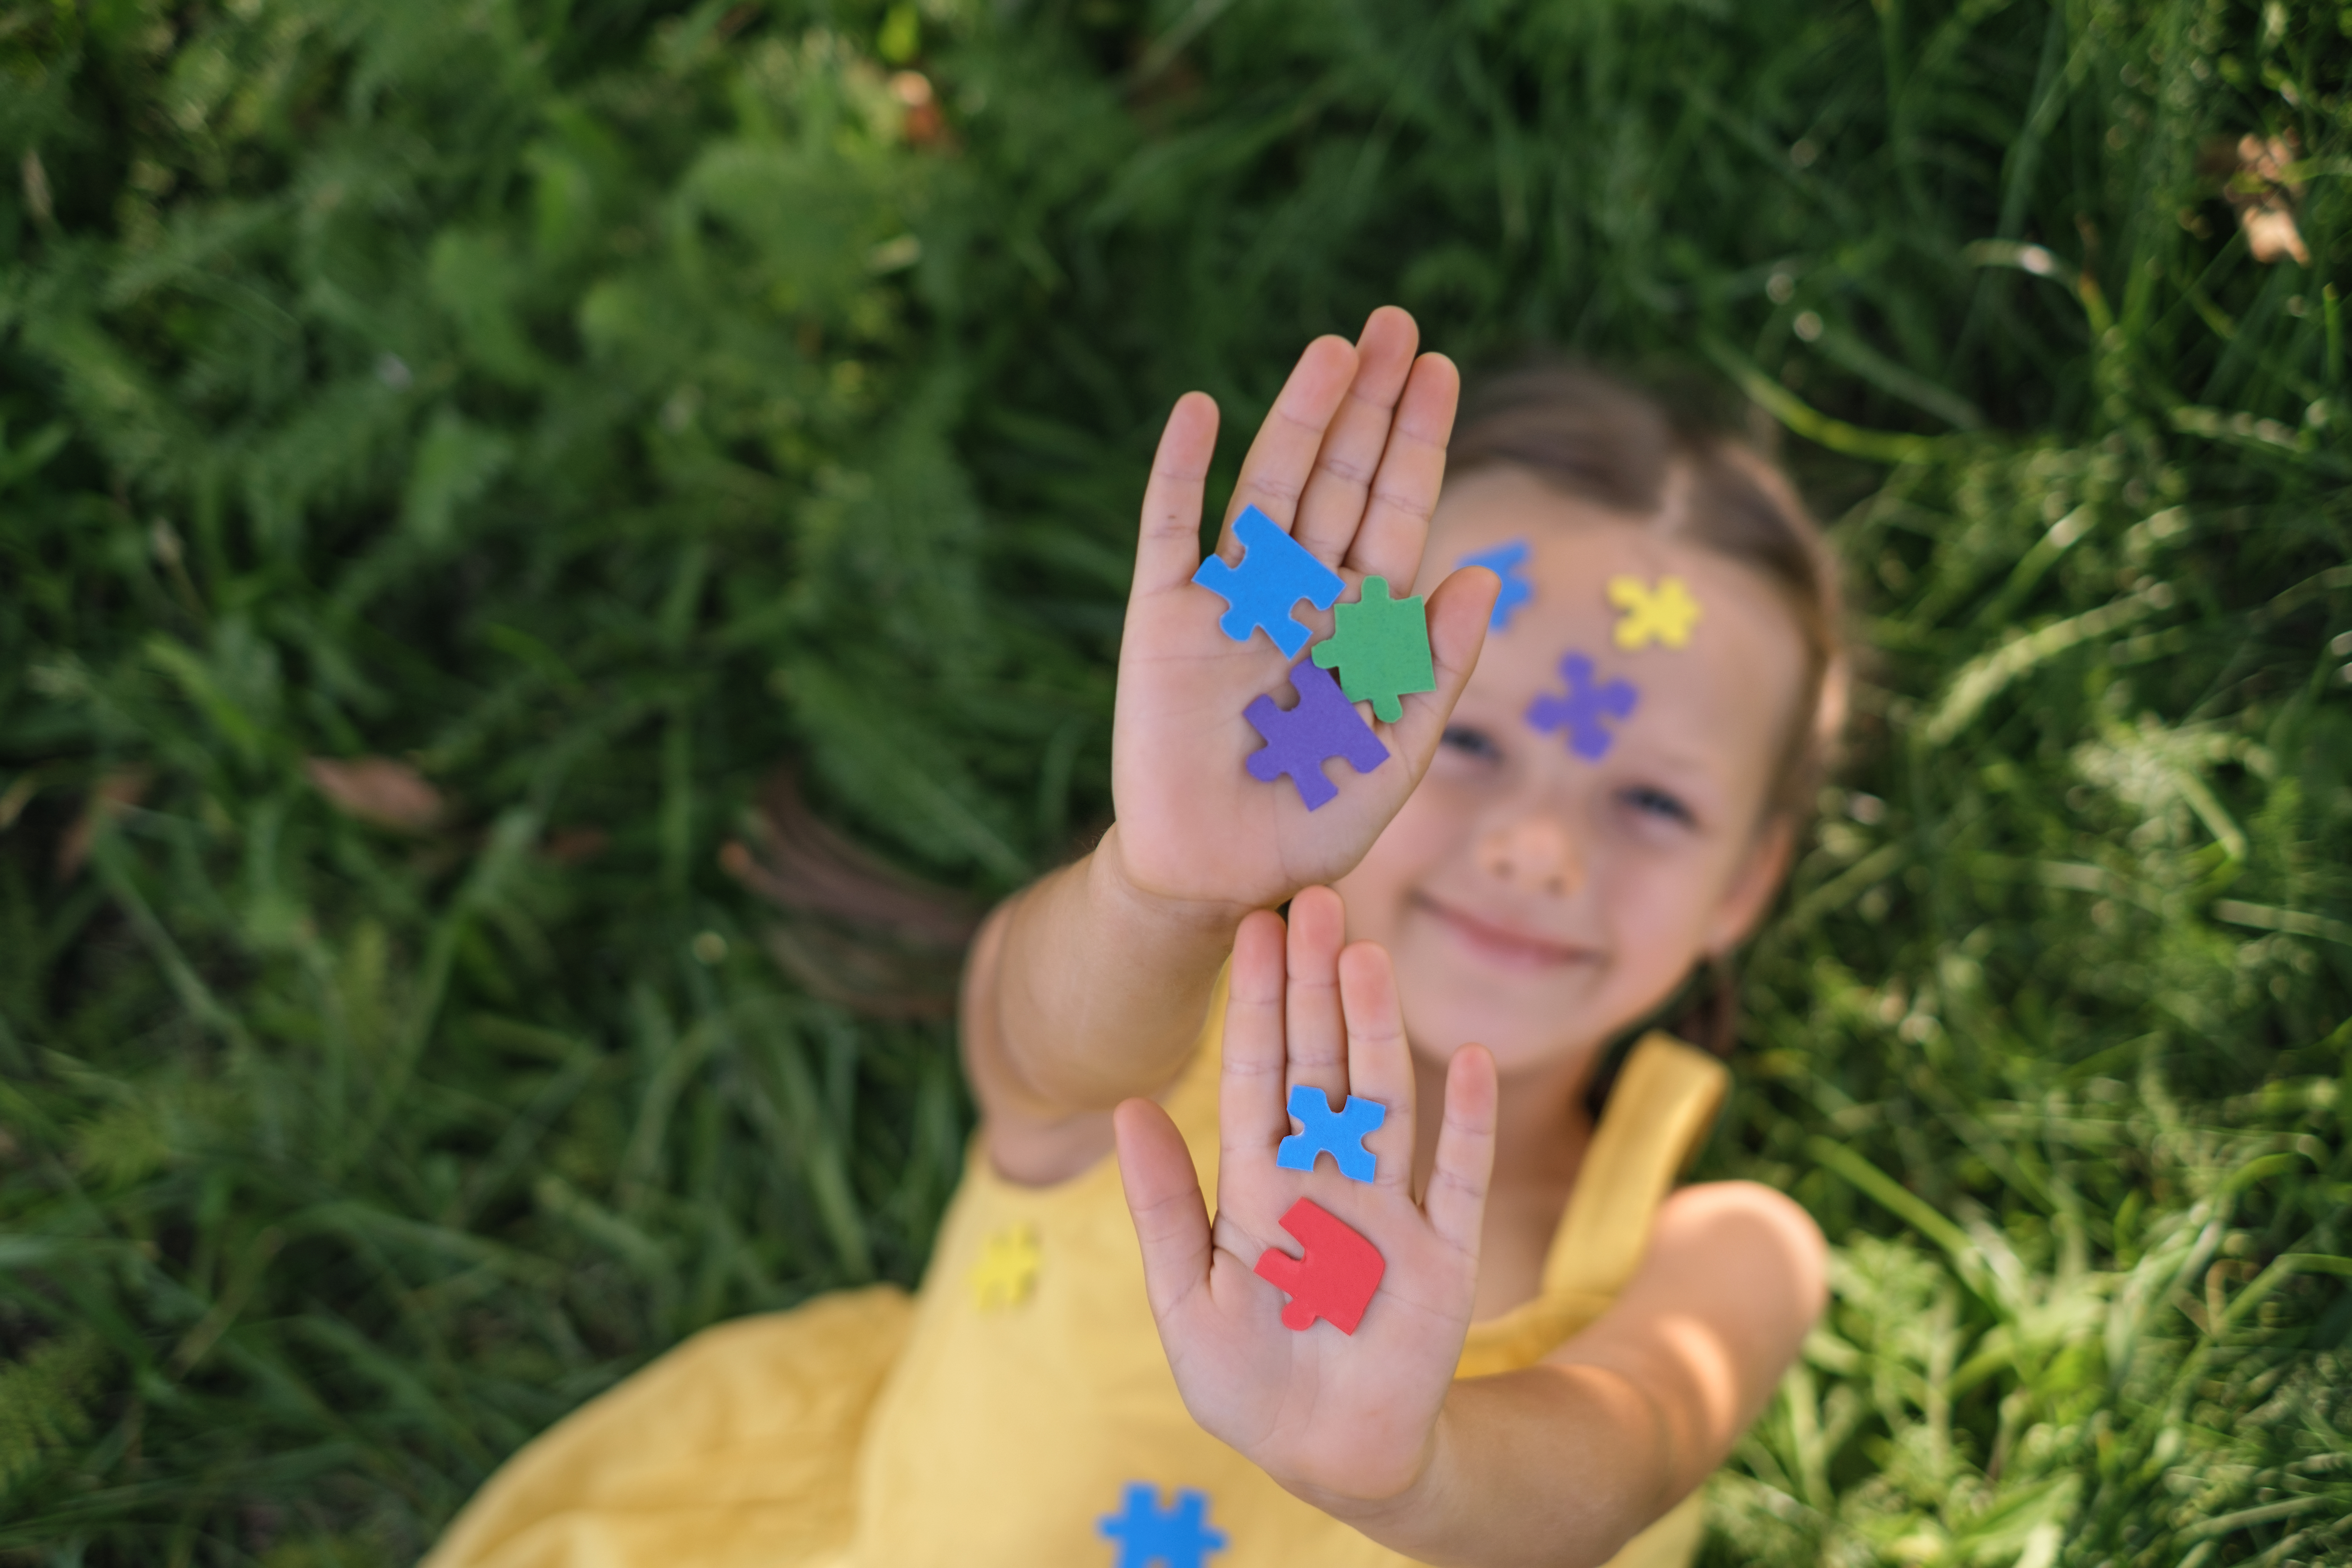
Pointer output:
600, 406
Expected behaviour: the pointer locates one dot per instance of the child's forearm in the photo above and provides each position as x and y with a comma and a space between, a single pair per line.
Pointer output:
1092, 990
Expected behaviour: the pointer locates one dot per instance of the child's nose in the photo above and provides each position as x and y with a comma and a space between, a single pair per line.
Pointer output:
1533, 852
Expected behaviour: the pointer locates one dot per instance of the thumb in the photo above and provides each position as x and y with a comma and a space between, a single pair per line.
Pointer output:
1163, 1198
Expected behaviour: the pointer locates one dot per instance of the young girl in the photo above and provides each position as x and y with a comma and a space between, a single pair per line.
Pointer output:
1572, 824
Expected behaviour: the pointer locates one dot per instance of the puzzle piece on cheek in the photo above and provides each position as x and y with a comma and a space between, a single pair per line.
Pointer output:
1323, 725
1339, 1133
1007, 1269
1179, 1537
1334, 1281
1505, 562
1665, 612
1380, 646
1582, 711
1275, 573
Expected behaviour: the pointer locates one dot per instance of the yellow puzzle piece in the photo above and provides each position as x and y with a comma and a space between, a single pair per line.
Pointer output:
1007, 1269
1665, 612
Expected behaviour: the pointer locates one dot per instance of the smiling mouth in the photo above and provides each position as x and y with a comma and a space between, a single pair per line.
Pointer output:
1501, 944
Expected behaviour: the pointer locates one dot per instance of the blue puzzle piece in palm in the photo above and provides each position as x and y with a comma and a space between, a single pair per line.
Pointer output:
1505, 562
1339, 1133
1581, 713
1179, 1537
1275, 573
1323, 725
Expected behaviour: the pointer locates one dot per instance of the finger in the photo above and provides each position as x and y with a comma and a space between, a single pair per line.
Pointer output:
1380, 1064
1273, 474
1333, 505
1455, 1202
1459, 610
1317, 1030
1250, 1115
1404, 491
1163, 1199
1169, 548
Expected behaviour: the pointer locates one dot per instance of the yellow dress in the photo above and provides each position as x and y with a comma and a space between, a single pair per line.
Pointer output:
995, 1418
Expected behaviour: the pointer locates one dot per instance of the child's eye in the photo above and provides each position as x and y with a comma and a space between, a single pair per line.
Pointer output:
1470, 742
1652, 801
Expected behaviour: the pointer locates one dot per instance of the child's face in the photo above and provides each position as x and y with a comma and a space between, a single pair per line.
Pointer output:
1536, 902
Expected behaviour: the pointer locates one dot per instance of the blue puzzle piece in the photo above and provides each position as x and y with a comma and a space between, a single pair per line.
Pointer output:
1504, 561
1179, 1538
1324, 725
1582, 711
1275, 573
1339, 1133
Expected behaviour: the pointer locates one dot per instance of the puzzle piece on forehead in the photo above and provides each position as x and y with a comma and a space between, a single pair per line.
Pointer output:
1665, 612
1007, 1269
1339, 1133
1323, 725
1150, 1537
1581, 713
1504, 561
1380, 646
1334, 1281
1275, 573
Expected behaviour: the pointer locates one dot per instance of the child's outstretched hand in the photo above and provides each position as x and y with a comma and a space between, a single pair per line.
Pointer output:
1349, 463
1322, 1412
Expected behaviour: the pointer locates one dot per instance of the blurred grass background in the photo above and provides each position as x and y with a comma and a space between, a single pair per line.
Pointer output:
515, 514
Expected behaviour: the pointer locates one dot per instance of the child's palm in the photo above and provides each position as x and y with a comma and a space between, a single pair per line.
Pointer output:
1349, 462
1315, 1408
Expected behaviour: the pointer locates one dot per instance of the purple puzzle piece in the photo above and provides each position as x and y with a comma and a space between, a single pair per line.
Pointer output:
1275, 573
1582, 711
1323, 725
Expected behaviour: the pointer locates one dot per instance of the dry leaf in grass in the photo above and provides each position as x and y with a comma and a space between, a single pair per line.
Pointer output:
2254, 183
114, 794
379, 791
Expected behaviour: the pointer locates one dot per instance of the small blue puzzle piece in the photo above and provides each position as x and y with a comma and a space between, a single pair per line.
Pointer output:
1582, 711
1179, 1538
1323, 724
1339, 1133
1275, 573
1504, 561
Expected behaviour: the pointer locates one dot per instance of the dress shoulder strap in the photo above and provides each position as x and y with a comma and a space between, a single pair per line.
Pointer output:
1659, 1112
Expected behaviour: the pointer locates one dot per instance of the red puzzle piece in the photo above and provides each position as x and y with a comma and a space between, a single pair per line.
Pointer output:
1334, 1281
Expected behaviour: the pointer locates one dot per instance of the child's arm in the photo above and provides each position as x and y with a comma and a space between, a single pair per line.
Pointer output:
1559, 1464
1090, 986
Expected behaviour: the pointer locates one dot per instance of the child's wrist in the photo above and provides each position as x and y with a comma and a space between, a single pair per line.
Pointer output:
1121, 897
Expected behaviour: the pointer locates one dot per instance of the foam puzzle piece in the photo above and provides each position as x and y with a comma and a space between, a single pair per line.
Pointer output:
1581, 713
1299, 741
1339, 1133
1275, 573
1504, 561
1334, 1281
1007, 1269
1177, 1537
1665, 612
1380, 646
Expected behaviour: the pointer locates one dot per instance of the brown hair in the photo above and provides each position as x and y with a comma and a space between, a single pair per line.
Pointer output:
1599, 439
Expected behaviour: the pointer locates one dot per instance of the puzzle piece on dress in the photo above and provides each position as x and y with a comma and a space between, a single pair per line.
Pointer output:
1007, 1269
1275, 573
1380, 646
1179, 1537
1665, 612
1584, 707
1505, 562
1334, 1281
1339, 1133
1323, 724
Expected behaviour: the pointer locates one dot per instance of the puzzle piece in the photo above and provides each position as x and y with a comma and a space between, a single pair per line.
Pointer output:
1665, 612
1504, 561
1007, 1269
1582, 711
1339, 1133
1323, 725
1380, 646
1179, 1537
1334, 1281
1275, 573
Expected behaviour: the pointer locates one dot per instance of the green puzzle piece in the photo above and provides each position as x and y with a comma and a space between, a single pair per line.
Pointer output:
1380, 646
